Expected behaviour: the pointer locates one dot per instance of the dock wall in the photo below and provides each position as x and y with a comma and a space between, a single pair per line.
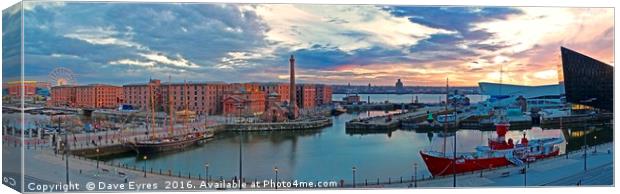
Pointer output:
302, 125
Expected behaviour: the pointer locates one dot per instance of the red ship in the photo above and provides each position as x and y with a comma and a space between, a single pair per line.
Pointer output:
498, 153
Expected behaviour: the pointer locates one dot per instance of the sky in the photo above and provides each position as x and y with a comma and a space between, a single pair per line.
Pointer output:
119, 43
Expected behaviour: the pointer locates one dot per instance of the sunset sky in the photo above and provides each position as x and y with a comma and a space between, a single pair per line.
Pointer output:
121, 43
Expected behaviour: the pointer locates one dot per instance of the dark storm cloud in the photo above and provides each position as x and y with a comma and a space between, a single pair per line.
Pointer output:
461, 20
452, 18
87, 37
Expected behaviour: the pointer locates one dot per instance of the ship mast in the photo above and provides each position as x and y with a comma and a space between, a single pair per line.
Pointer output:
502, 115
501, 74
456, 124
170, 109
186, 111
152, 111
164, 123
445, 124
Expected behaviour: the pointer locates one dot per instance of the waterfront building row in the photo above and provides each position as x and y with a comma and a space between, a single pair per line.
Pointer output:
211, 98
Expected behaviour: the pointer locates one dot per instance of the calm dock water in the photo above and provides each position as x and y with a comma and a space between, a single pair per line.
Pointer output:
330, 153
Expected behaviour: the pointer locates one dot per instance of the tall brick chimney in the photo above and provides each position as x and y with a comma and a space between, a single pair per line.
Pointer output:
292, 90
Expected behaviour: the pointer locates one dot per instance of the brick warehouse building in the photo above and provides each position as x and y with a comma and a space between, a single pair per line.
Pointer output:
87, 96
282, 89
323, 94
244, 100
201, 97
62, 96
14, 88
306, 96
98, 96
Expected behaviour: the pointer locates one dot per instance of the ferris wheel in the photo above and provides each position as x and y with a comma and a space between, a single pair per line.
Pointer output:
62, 76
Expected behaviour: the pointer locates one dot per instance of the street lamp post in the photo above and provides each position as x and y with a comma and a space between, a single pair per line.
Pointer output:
594, 144
353, 169
275, 169
454, 164
524, 176
66, 148
566, 150
585, 150
239, 107
207, 172
415, 174
144, 158
527, 159
97, 150
585, 141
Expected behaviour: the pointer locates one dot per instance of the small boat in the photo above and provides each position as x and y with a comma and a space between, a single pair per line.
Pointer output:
446, 118
338, 109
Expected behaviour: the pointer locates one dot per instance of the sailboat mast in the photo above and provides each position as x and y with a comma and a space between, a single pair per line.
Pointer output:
445, 124
502, 117
501, 75
186, 111
170, 109
146, 115
152, 111
454, 149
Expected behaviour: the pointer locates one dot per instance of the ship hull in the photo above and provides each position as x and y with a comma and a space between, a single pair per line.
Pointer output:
146, 148
541, 156
151, 148
337, 112
439, 166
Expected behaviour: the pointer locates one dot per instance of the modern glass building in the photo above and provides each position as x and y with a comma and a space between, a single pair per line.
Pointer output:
587, 81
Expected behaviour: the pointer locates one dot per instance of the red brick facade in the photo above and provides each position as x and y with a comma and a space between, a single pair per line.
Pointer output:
62, 96
14, 88
245, 100
88, 96
306, 96
323, 95
203, 98
282, 89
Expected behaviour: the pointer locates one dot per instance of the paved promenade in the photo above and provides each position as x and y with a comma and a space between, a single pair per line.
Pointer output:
558, 171
44, 166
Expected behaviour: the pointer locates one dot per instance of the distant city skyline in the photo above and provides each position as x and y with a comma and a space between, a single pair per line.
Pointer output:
122, 43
